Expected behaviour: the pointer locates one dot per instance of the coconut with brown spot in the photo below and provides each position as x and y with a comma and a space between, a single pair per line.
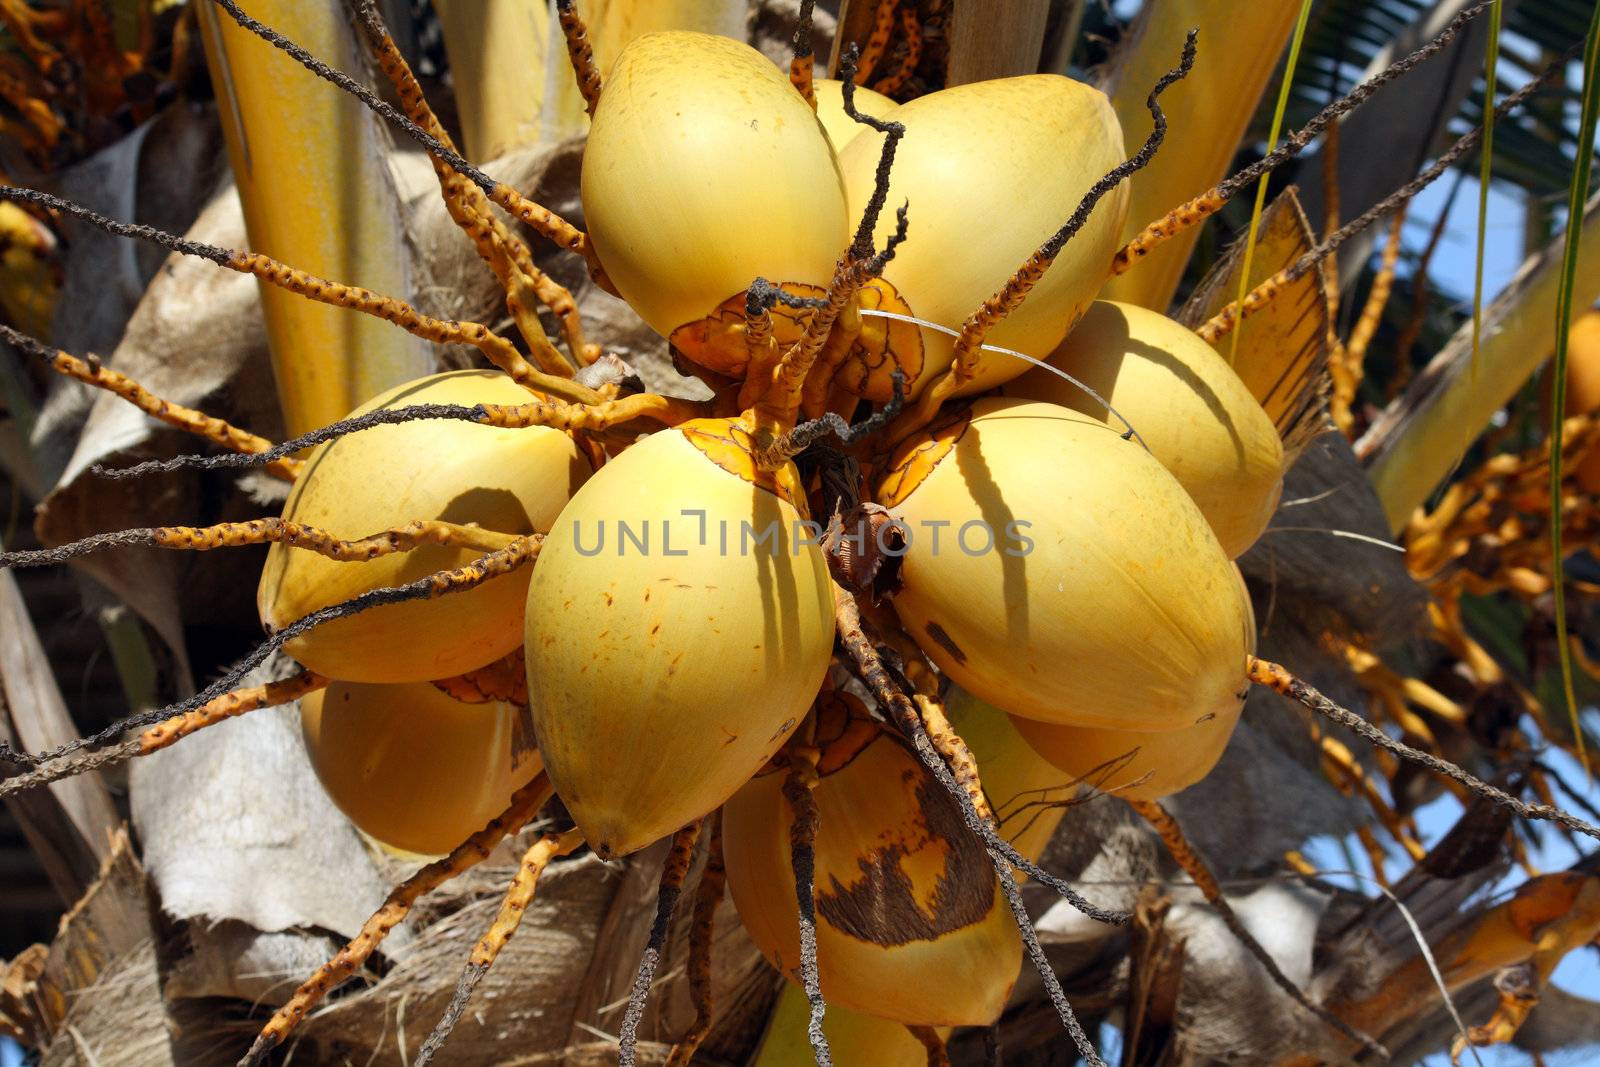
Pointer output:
679, 624
1058, 571
911, 923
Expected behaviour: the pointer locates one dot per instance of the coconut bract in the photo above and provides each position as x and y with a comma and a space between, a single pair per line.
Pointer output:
911, 923
510, 481
1059, 572
677, 630
412, 766
991, 170
1188, 405
703, 171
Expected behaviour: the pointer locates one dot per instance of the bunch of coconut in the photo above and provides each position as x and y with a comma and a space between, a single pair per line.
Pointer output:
1068, 580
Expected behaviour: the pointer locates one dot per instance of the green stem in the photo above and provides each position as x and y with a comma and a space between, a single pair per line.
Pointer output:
1272, 142
1576, 195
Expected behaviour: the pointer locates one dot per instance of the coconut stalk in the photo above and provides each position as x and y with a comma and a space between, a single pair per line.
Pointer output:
498, 51
612, 24
1418, 440
310, 165
1238, 50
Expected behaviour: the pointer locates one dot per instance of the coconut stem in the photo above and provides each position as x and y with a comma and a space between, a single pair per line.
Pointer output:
441, 583
506, 254
908, 62
802, 65
555, 414
1166, 827
930, 1040
166, 733
512, 908
898, 708
390, 309
581, 53
91, 371
673, 874
1231, 315
544, 222
1281, 681
797, 787
791, 443
903, 714
707, 897
1348, 366
781, 399
1208, 203
1047, 974
525, 803
271, 531
877, 44
955, 753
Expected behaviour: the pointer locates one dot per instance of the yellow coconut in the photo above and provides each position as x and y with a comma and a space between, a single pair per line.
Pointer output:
704, 170
991, 170
412, 766
677, 631
1190, 408
840, 127
1132, 764
911, 923
1059, 572
1126, 763
510, 481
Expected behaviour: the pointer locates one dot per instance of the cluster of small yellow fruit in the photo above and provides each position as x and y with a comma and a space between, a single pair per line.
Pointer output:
1071, 583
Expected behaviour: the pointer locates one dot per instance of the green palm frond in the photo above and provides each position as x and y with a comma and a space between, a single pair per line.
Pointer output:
1534, 149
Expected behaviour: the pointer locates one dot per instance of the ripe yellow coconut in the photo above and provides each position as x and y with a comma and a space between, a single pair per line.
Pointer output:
1189, 406
510, 481
991, 170
840, 127
1133, 764
677, 631
703, 171
412, 766
1059, 572
911, 923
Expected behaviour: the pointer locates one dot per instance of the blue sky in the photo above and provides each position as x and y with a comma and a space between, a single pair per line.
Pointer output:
1579, 973
1451, 269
